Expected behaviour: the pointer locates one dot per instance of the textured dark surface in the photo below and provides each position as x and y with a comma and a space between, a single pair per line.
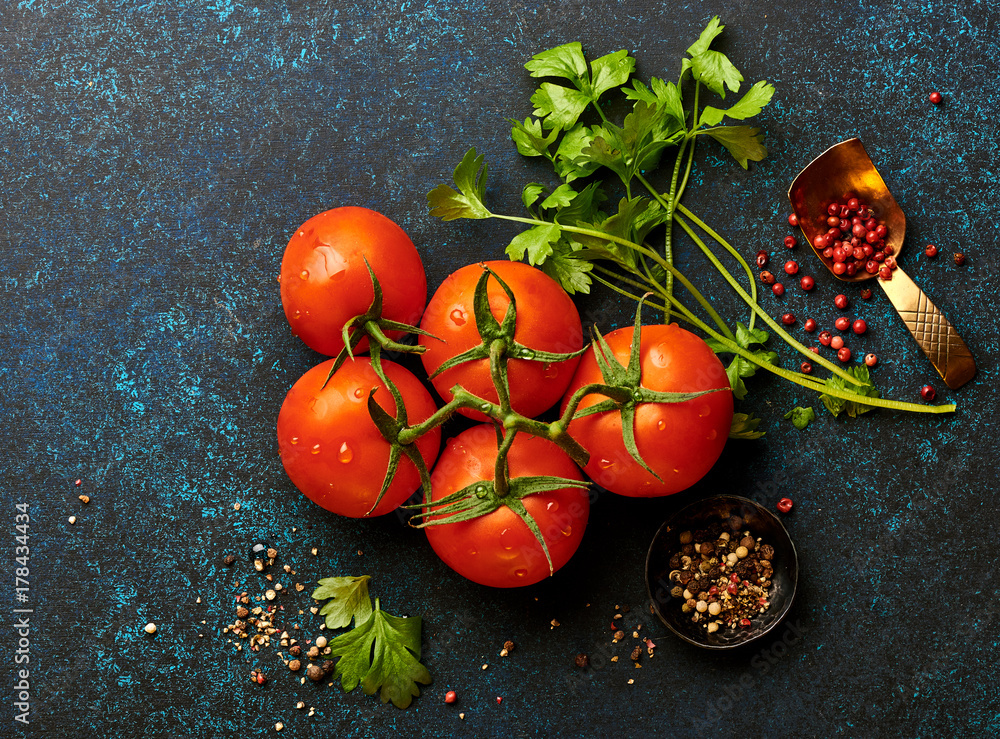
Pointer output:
157, 157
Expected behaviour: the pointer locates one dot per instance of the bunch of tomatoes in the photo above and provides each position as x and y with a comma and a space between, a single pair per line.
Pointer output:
506, 501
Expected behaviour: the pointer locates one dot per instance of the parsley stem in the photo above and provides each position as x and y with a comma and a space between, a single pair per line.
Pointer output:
681, 312
638, 248
812, 383
789, 339
672, 206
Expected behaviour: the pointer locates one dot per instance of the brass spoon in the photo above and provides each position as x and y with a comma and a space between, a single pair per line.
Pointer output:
847, 168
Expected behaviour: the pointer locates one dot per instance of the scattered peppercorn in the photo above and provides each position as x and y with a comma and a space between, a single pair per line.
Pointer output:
582, 661
806, 368
228, 560
842, 324
793, 220
785, 505
959, 259
450, 697
841, 302
778, 289
807, 283
791, 242
866, 293
871, 360
928, 393
294, 665
788, 319
762, 259
935, 97
810, 325
767, 278
931, 251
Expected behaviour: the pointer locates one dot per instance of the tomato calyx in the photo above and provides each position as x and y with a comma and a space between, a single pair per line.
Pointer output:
498, 342
374, 325
487, 496
623, 388
390, 429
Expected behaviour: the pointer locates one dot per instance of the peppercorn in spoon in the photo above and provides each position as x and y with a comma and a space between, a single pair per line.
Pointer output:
856, 228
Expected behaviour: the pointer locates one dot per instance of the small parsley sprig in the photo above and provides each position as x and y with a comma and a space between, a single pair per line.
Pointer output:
382, 652
580, 231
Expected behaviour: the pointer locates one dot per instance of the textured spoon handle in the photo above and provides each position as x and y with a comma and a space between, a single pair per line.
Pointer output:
934, 334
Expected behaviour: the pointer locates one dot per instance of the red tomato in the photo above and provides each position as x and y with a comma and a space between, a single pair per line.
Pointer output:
680, 441
330, 446
324, 281
547, 321
498, 549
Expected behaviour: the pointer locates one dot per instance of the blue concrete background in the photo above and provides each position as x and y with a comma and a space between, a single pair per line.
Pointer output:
157, 157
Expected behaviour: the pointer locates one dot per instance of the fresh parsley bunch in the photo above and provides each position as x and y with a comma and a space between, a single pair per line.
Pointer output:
583, 229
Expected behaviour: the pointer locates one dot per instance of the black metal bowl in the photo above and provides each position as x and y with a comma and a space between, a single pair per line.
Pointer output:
720, 508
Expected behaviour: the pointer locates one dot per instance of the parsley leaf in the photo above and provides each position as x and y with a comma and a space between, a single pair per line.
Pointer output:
801, 417
536, 243
347, 598
572, 273
744, 426
529, 138
853, 408
382, 654
559, 106
566, 61
712, 68
664, 95
449, 205
741, 368
748, 106
743, 142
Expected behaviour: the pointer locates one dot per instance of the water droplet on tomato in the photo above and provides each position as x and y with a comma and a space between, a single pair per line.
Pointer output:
605, 464
661, 425
712, 434
480, 491
527, 353
359, 393
659, 355
345, 454
294, 440
473, 552
304, 274
568, 531
550, 371
507, 537
676, 471
636, 395
297, 314
302, 233
704, 412
485, 406
315, 449
279, 278
552, 506
521, 572
458, 317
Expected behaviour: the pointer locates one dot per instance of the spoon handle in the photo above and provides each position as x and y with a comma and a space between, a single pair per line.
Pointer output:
934, 334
